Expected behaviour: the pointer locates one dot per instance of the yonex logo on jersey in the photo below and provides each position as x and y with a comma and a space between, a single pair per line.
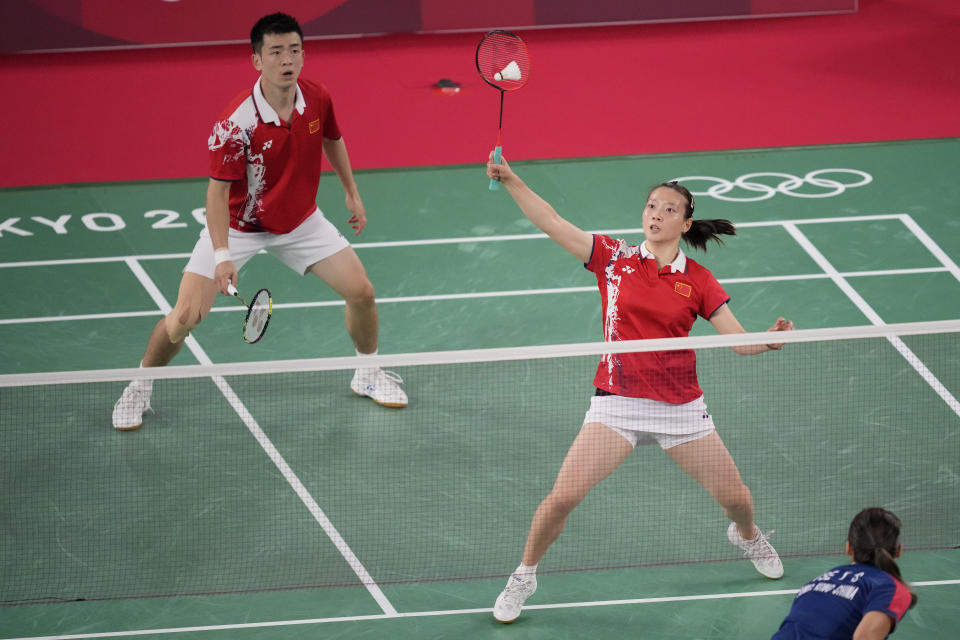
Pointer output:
267, 145
626, 269
683, 289
314, 126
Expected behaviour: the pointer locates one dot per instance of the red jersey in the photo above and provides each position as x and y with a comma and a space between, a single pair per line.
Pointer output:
641, 302
274, 165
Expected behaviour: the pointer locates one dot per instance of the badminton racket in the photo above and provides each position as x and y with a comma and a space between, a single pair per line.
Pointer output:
258, 313
504, 63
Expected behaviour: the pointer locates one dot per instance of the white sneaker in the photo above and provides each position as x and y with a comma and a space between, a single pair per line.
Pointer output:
129, 410
760, 552
510, 601
381, 386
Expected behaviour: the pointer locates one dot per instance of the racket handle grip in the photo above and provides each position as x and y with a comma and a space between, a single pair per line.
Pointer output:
495, 184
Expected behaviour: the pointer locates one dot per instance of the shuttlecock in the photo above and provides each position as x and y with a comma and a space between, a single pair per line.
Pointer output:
509, 72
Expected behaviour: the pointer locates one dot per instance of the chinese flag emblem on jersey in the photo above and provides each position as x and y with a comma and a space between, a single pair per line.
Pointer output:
314, 126
683, 289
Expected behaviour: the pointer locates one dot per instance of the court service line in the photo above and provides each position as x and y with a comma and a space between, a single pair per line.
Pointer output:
341, 544
460, 240
467, 296
874, 318
931, 246
444, 612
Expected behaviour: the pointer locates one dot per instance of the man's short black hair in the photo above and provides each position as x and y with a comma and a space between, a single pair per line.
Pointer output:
276, 23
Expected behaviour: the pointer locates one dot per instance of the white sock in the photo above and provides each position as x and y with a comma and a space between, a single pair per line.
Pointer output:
526, 571
144, 383
366, 370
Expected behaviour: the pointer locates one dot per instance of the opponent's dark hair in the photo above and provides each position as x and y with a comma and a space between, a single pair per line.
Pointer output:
875, 538
700, 231
276, 23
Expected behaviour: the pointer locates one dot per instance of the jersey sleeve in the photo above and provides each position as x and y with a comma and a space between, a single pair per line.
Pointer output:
713, 296
891, 597
603, 248
226, 144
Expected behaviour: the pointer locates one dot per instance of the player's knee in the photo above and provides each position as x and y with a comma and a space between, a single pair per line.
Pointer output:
181, 322
738, 500
561, 502
362, 295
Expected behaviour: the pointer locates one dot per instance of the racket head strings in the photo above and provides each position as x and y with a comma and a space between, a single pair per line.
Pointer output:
258, 316
503, 60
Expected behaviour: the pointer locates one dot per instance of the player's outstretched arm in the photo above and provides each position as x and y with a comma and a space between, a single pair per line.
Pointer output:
725, 322
569, 236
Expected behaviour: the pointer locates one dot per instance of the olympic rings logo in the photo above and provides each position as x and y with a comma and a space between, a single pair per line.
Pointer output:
788, 185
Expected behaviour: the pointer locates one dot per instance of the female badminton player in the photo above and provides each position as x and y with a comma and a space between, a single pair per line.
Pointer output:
864, 600
649, 291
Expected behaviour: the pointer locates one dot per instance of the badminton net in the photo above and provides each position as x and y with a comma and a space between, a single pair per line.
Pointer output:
264, 476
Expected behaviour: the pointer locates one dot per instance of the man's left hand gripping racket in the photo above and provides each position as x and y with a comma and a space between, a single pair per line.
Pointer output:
258, 313
504, 64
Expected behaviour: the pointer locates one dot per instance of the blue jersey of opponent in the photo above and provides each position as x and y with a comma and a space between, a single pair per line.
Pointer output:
832, 605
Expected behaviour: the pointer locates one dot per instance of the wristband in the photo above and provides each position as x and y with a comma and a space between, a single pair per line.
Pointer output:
221, 255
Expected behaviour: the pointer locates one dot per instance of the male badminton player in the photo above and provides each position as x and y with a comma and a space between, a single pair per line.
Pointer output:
265, 154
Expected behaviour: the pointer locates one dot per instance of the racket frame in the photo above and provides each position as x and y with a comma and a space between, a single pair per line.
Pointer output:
498, 150
232, 290
250, 308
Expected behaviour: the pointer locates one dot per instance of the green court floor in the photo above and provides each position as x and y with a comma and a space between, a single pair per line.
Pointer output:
854, 235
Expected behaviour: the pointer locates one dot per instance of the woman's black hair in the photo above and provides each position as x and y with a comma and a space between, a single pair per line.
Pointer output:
700, 231
874, 538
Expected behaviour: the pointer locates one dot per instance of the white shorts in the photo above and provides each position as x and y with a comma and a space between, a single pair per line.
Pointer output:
315, 239
643, 421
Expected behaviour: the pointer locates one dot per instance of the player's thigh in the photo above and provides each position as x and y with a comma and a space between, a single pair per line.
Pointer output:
344, 273
595, 453
708, 461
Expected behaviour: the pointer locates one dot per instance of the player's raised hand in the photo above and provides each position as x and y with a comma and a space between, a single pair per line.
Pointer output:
499, 171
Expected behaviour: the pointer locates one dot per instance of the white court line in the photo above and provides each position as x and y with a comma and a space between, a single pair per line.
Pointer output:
66, 261
931, 246
874, 318
365, 578
469, 296
463, 240
447, 612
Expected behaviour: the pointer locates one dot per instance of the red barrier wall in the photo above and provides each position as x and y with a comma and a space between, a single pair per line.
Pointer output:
55, 25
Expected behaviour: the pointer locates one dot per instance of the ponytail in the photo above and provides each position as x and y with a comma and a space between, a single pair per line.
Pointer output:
701, 231
874, 538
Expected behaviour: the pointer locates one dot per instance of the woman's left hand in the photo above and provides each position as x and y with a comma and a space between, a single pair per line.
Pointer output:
780, 325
